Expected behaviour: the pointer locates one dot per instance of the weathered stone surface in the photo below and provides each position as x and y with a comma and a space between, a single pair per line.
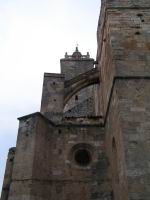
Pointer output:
64, 153
53, 96
8, 174
123, 55
74, 66
45, 165
80, 82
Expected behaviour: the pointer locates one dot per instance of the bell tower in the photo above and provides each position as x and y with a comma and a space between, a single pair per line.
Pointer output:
72, 66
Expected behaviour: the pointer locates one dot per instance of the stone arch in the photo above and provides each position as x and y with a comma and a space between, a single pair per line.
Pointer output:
78, 83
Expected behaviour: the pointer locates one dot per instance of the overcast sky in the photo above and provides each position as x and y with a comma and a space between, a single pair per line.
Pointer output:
34, 35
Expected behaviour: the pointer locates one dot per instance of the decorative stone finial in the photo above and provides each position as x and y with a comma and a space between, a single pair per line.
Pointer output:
77, 55
66, 55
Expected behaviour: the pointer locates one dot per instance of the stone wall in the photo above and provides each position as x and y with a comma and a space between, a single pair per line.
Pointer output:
115, 148
98, 158
52, 102
127, 138
71, 68
74, 67
20, 187
50, 162
8, 174
134, 106
126, 3
123, 43
123, 60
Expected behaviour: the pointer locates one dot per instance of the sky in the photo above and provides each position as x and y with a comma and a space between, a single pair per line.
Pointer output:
34, 36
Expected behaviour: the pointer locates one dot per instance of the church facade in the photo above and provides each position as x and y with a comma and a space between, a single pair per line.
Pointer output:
91, 138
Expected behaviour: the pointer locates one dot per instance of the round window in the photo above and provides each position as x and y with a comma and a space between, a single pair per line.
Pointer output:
82, 157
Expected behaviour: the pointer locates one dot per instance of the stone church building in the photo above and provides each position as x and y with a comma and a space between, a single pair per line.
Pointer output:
91, 138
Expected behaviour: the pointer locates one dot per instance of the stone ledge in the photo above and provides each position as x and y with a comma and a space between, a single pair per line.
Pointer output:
34, 115
53, 75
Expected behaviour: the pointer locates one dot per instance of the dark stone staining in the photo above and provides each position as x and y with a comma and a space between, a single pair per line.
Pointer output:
82, 157
59, 131
140, 15
113, 144
137, 33
11, 159
112, 195
76, 97
12, 150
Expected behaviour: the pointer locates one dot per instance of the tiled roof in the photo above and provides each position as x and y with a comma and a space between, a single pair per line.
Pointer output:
84, 109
